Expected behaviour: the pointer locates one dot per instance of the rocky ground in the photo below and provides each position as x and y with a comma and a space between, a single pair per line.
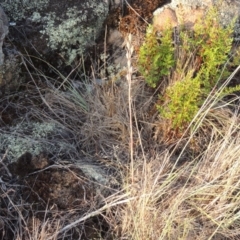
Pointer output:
47, 186
55, 167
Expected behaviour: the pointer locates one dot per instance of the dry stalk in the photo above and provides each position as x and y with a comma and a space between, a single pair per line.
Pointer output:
129, 49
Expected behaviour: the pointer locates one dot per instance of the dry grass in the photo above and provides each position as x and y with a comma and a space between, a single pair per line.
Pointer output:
165, 194
198, 200
19, 221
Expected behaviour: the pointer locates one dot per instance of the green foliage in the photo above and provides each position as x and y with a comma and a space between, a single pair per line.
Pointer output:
214, 43
229, 90
156, 56
180, 101
194, 65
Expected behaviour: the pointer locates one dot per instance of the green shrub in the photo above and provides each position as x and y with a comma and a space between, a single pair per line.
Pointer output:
181, 101
156, 57
194, 66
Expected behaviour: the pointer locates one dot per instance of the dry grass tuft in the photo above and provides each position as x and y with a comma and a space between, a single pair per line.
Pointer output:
199, 199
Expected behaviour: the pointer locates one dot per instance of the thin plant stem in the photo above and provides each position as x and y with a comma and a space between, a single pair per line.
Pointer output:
129, 49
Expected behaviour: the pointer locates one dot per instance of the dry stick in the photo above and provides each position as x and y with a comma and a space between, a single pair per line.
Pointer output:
129, 49
99, 211
92, 214
105, 49
136, 12
42, 97
6, 168
66, 79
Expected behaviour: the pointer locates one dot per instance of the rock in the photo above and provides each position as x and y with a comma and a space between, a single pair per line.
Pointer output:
9, 64
29, 143
116, 41
3, 32
188, 11
35, 138
172, 17
9, 74
190, 3
115, 3
65, 27
165, 17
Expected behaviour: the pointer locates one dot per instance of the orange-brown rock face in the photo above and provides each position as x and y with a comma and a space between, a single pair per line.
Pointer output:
168, 17
165, 18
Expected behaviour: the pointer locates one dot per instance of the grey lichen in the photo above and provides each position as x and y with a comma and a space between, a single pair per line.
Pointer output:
18, 10
10, 79
68, 28
75, 30
3, 32
34, 137
36, 17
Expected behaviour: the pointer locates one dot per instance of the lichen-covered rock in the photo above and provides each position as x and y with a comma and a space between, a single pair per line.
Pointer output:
3, 32
30, 143
9, 64
190, 3
229, 9
19, 10
36, 138
66, 27
10, 70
